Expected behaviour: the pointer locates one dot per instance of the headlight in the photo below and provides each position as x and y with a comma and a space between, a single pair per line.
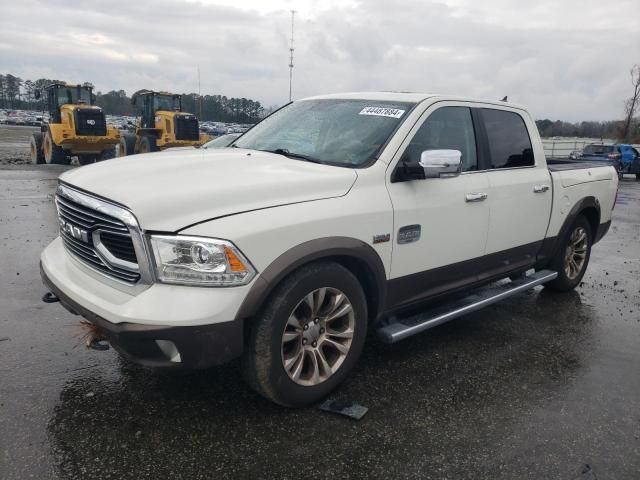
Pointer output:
200, 261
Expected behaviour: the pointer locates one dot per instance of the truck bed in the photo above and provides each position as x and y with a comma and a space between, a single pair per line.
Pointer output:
562, 164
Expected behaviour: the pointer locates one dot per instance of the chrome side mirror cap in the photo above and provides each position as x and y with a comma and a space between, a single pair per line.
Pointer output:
441, 163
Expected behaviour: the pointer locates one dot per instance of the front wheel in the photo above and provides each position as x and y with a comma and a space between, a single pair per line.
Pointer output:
308, 337
127, 145
35, 147
572, 257
54, 154
148, 144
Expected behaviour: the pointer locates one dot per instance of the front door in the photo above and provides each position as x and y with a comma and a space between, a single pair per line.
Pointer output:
440, 224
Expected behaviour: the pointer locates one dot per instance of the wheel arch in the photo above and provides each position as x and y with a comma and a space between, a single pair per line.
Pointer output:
589, 207
355, 255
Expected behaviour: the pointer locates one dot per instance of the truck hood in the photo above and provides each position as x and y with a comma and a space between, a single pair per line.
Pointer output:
171, 191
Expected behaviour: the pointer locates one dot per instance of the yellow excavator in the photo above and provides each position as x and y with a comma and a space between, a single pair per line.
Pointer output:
162, 124
76, 127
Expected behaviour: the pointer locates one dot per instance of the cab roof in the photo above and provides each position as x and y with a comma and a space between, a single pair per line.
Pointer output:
412, 97
152, 92
67, 85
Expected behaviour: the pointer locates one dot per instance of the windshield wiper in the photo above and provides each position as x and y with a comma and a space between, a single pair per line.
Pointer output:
287, 153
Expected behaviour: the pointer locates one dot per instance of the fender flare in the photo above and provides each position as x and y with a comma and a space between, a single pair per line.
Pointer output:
551, 244
317, 249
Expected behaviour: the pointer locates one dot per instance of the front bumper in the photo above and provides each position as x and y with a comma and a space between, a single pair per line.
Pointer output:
195, 320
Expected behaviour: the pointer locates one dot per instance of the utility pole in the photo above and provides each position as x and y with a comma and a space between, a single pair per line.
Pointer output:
293, 12
199, 97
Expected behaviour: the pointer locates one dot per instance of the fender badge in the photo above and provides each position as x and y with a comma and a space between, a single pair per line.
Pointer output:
384, 237
409, 234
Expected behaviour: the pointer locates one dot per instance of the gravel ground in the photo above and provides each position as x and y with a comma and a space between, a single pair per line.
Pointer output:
14, 144
539, 386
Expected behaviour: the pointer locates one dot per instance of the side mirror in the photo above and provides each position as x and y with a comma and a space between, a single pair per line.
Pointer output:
441, 163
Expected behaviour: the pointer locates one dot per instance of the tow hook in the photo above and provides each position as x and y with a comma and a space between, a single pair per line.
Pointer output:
49, 297
93, 337
97, 342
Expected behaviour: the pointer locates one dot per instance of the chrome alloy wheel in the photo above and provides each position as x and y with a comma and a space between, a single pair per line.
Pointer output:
576, 253
317, 336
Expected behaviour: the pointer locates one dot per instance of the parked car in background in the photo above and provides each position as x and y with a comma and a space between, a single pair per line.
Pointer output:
625, 158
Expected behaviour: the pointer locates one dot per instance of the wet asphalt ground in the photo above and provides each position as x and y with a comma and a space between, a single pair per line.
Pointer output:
541, 386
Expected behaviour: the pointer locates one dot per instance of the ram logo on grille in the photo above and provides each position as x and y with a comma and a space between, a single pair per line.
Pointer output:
76, 232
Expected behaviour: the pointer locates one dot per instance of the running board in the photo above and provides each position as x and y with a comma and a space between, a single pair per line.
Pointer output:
401, 328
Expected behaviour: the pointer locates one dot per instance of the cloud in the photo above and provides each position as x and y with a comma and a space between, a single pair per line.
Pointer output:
566, 60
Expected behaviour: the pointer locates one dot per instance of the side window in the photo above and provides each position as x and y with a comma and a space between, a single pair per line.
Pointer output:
446, 128
509, 143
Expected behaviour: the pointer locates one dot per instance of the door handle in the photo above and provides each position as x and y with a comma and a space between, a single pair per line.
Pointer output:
475, 197
540, 188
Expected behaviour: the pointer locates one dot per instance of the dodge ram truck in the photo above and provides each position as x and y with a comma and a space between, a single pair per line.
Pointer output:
334, 216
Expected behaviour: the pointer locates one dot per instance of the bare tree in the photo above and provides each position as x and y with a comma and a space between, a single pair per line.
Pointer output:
631, 105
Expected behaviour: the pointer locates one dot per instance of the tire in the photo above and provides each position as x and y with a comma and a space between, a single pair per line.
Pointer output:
53, 154
127, 145
638, 176
148, 144
570, 277
107, 154
87, 159
35, 146
278, 334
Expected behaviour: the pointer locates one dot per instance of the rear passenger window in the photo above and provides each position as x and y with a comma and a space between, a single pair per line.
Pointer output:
509, 143
446, 128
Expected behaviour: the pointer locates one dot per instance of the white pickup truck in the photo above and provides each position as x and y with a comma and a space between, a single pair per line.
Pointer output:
329, 218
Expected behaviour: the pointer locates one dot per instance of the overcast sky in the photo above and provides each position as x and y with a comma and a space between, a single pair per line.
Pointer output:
564, 59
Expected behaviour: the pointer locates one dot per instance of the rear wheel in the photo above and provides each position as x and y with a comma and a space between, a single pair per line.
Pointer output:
572, 257
637, 176
127, 145
308, 337
53, 154
87, 159
107, 154
37, 156
148, 144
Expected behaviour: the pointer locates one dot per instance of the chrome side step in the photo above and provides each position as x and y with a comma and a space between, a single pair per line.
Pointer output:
401, 328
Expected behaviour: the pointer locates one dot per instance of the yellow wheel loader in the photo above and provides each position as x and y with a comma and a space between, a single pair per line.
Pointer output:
162, 124
76, 127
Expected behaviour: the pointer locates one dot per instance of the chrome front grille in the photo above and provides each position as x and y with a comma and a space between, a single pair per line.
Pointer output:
95, 232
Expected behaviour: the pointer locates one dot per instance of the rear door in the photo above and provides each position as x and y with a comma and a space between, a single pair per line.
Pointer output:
440, 227
520, 193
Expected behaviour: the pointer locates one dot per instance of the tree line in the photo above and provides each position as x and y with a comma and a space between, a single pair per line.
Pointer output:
19, 94
611, 129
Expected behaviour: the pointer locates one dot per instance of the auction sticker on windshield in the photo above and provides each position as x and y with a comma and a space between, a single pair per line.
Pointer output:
382, 112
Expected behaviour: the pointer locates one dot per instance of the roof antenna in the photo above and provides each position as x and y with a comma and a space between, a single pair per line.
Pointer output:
504, 99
